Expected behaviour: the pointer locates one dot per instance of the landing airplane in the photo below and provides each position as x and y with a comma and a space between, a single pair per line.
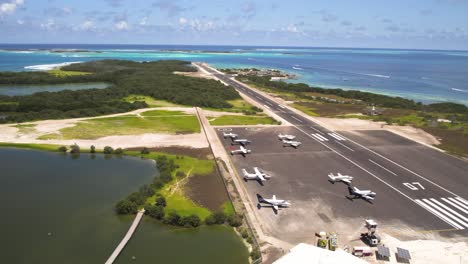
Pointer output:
340, 178
257, 175
241, 151
288, 137
273, 202
291, 143
364, 194
230, 135
242, 141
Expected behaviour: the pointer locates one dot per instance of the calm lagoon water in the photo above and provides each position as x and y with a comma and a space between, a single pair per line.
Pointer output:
72, 199
12, 90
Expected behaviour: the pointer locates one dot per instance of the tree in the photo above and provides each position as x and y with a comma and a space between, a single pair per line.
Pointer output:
118, 151
172, 219
157, 212
216, 218
145, 151
255, 253
108, 150
146, 190
74, 149
62, 149
161, 201
137, 198
190, 221
92, 149
126, 207
234, 220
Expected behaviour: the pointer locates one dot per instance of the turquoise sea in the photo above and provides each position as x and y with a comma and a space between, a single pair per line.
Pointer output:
421, 75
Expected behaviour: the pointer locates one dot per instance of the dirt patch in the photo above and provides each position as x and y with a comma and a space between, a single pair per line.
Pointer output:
207, 190
454, 141
199, 153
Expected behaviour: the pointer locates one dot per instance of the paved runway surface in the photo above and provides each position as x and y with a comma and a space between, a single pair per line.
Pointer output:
415, 184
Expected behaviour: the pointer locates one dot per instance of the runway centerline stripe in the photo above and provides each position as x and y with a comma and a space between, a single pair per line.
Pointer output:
401, 166
450, 210
344, 145
316, 130
297, 119
258, 98
459, 203
445, 212
441, 216
383, 167
268, 103
454, 205
282, 106
266, 106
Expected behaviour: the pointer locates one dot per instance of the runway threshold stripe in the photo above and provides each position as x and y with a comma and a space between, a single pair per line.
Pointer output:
338, 136
436, 213
462, 200
335, 137
443, 211
344, 145
266, 106
322, 137
454, 205
383, 167
450, 210
315, 136
459, 203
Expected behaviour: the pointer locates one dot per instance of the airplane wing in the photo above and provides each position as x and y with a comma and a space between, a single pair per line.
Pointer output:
274, 197
242, 149
257, 171
261, 177
275, 207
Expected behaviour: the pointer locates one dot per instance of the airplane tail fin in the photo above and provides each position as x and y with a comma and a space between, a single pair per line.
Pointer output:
244, 172
350, 190
260, 198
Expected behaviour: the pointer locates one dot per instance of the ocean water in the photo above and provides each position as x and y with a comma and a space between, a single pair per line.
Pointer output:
422, 75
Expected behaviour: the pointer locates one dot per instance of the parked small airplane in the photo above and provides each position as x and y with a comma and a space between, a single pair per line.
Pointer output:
242, 141
339, 178
364, 194
288, 137
273, 202
241, 151
291, 143
257, 175
230, 135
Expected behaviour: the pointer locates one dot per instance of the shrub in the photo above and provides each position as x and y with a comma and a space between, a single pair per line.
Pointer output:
244, 233
136, 198
62, 149
161, 201
74, 149
156, 212
172, 219
180, 174
234, 220
216, 218
92, 149
108, 150
146, 191
145, 151
190, 221
118, 151
255, 253
126, 207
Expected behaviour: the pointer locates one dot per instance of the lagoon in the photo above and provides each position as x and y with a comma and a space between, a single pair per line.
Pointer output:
59, 209
13, 90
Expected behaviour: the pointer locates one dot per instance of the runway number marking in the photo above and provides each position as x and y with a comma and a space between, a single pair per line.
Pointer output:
412, 186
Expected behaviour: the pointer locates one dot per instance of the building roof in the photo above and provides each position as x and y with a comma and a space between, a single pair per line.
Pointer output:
308, 254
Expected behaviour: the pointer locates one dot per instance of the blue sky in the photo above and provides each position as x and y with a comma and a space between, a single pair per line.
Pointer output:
426, 24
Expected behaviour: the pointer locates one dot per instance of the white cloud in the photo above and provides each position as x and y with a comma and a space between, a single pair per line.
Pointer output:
182, 21
49, 25
121, 25
20, 22
144, 21
87, 25
10, 7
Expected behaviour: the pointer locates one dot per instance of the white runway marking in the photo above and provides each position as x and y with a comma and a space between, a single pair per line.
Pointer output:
383, 167
258, 98
401, 166
320, 137
266, 106
316, 130
459, 203
282, 111
438, 214
282, 106
451, 211
462, 200
344, 145
338, 137
297, 119
268, 103
454, 205
445, 212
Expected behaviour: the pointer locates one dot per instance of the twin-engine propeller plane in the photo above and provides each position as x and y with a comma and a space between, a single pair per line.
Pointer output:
243, 151
340, 178
242, 142
363, 194
291, 143
274, 203
287, 137
258, 175
230, 135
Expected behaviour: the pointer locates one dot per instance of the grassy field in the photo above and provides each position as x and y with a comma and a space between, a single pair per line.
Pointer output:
164, 113
45, 147
128, 125
61, 73
25, 128
228, 208
150, 101
226, 120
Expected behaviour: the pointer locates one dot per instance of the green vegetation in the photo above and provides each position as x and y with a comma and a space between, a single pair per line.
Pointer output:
164, 113
45, 147
151, 79
242, 120
129, 125
61, 73
150, 101
26, 128
446, 121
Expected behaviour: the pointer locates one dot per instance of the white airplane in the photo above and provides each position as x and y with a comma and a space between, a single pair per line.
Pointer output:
288, 137
257, 175
273, 202
242, 141
339, 178
230, 135
291, 143
241, 151
364, 194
